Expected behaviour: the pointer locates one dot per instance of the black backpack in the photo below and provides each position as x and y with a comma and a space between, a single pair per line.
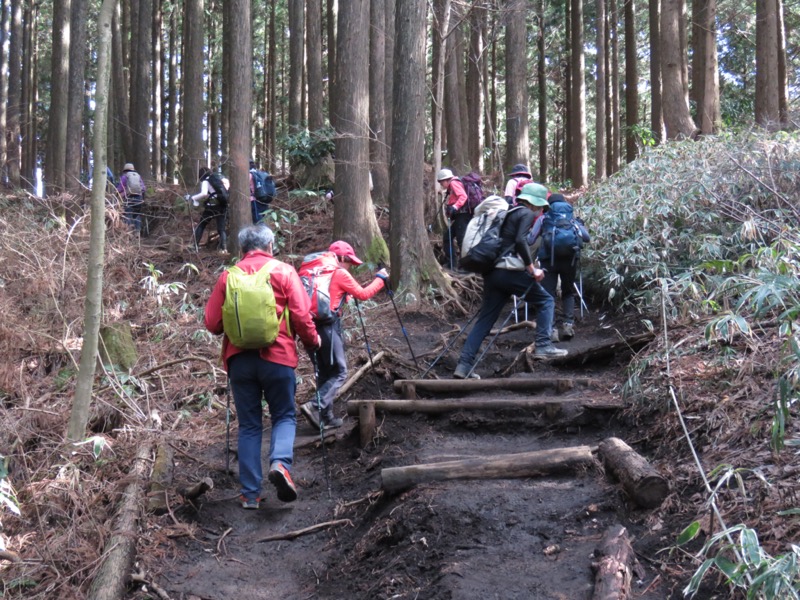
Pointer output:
220, 193
263, 186
473, 185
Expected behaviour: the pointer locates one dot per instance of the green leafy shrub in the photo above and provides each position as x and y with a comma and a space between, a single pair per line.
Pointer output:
308, 147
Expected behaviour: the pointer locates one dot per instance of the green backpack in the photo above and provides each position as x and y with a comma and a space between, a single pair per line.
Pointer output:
249, 314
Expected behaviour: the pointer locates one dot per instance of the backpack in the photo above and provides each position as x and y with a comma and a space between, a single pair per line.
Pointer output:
521, 182
316, 274
483, 245
561, 236
220, 192
263, 186
133, 183
249, 314
473, 184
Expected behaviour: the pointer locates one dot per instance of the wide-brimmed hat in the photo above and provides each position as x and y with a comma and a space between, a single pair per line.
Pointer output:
340, 248
534, 194
444, 174
128, 167
520, 169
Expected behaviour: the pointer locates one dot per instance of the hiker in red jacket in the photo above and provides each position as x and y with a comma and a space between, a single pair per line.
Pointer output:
457, 211
331, 357
267, 372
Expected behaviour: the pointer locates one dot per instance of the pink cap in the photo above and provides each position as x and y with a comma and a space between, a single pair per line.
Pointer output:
341, 248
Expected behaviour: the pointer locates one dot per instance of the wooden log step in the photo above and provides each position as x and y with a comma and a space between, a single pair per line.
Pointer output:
646, 486
443, 405
409, 387
501, 466
614, 565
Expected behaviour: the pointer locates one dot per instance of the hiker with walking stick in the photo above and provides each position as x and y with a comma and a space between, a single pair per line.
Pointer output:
328, 282
457, 212
514, 274
260, 356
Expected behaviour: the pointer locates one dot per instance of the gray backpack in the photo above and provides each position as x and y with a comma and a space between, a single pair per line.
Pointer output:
134, 183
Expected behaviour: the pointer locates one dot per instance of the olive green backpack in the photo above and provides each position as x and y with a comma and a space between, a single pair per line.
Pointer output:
249, 314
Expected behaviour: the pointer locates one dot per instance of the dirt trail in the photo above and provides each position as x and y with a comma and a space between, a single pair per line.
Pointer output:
492, 538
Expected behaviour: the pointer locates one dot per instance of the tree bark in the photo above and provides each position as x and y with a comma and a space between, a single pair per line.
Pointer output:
388, 78
28, 166
441, 26
55, 158
631, 82
354, 217
656, 108
192, 85
641, 481
330, 24
600, 93
677, 118
161, 480
379, 167
314, 64
121, 95
173, 116
240, 78
767, 104
517, 144
709, 108
453, 116
157, 101
14, 106
541, 87
77, 94
6, 10
296, 64
613, 568
503, 466
783, 100
475, 62
580, 160
93, 304
141, 90
614, 129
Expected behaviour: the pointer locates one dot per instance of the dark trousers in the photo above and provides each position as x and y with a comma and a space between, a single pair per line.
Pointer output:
211, 213
252, 378
565, 269
498, 287
257, 209
332, 364
133, 212
454, 234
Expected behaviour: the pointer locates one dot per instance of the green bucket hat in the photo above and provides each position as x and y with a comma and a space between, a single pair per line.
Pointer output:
534, 194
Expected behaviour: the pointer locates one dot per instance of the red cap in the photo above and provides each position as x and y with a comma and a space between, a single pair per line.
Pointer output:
341, 248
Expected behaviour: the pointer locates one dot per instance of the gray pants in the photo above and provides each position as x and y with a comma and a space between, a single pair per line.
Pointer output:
332, 363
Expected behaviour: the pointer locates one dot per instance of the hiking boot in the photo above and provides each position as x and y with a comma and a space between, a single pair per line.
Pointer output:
568, 331
249, 503
554, 335
280, 478
549, 351
331, 422
310, 413
462, 370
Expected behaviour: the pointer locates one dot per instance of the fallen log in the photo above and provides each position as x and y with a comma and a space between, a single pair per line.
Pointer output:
194, 491
613, 567
117, 561
502, 466
527, 384
359, 374
630, 344
514, 327
646, 486
366, 422
537, 403
161, 480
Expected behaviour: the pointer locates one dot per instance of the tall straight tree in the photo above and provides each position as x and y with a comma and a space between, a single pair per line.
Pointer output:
579, 156
296, 58
783, 100
14, 106
413, 262
475, 60
141, 88
600, 93
541, 87
631, 81
388, 80
441, 24
240, 78
120, 87
192, 86
314, 64
454, 118
767, 104
656, 108
677, 119
377, 111
354, 218
77, 94
55, 156
172, 86
157, 107
517, 144
28, 165
5, 18
705, 73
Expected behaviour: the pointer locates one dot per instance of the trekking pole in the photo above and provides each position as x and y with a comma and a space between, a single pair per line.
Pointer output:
450, 242
313, 356
366, 343
449, 345
489, 345
402, 327
580, 297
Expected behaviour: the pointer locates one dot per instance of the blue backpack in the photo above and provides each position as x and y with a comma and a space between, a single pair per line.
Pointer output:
561, 235
263, 186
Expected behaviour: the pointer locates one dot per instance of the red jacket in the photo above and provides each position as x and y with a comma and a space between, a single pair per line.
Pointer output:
456, 194
342, 283
288, 292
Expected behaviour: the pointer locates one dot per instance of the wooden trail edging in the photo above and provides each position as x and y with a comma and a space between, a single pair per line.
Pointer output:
613, 565
501, 466
550, 404
646, 486
409, 387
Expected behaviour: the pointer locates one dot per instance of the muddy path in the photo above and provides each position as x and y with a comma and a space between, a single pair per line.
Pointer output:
510, 538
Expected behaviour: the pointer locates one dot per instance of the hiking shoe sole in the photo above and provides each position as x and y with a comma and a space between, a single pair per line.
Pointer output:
549, 352
279, 477
250, 504
310, 413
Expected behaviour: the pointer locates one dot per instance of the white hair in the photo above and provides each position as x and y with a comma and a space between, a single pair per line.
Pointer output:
255, 237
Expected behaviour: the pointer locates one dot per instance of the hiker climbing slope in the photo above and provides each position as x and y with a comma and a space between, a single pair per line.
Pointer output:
519, 176
214, 196
260, 356
514, 274
457, 212
328, 282
132, 189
